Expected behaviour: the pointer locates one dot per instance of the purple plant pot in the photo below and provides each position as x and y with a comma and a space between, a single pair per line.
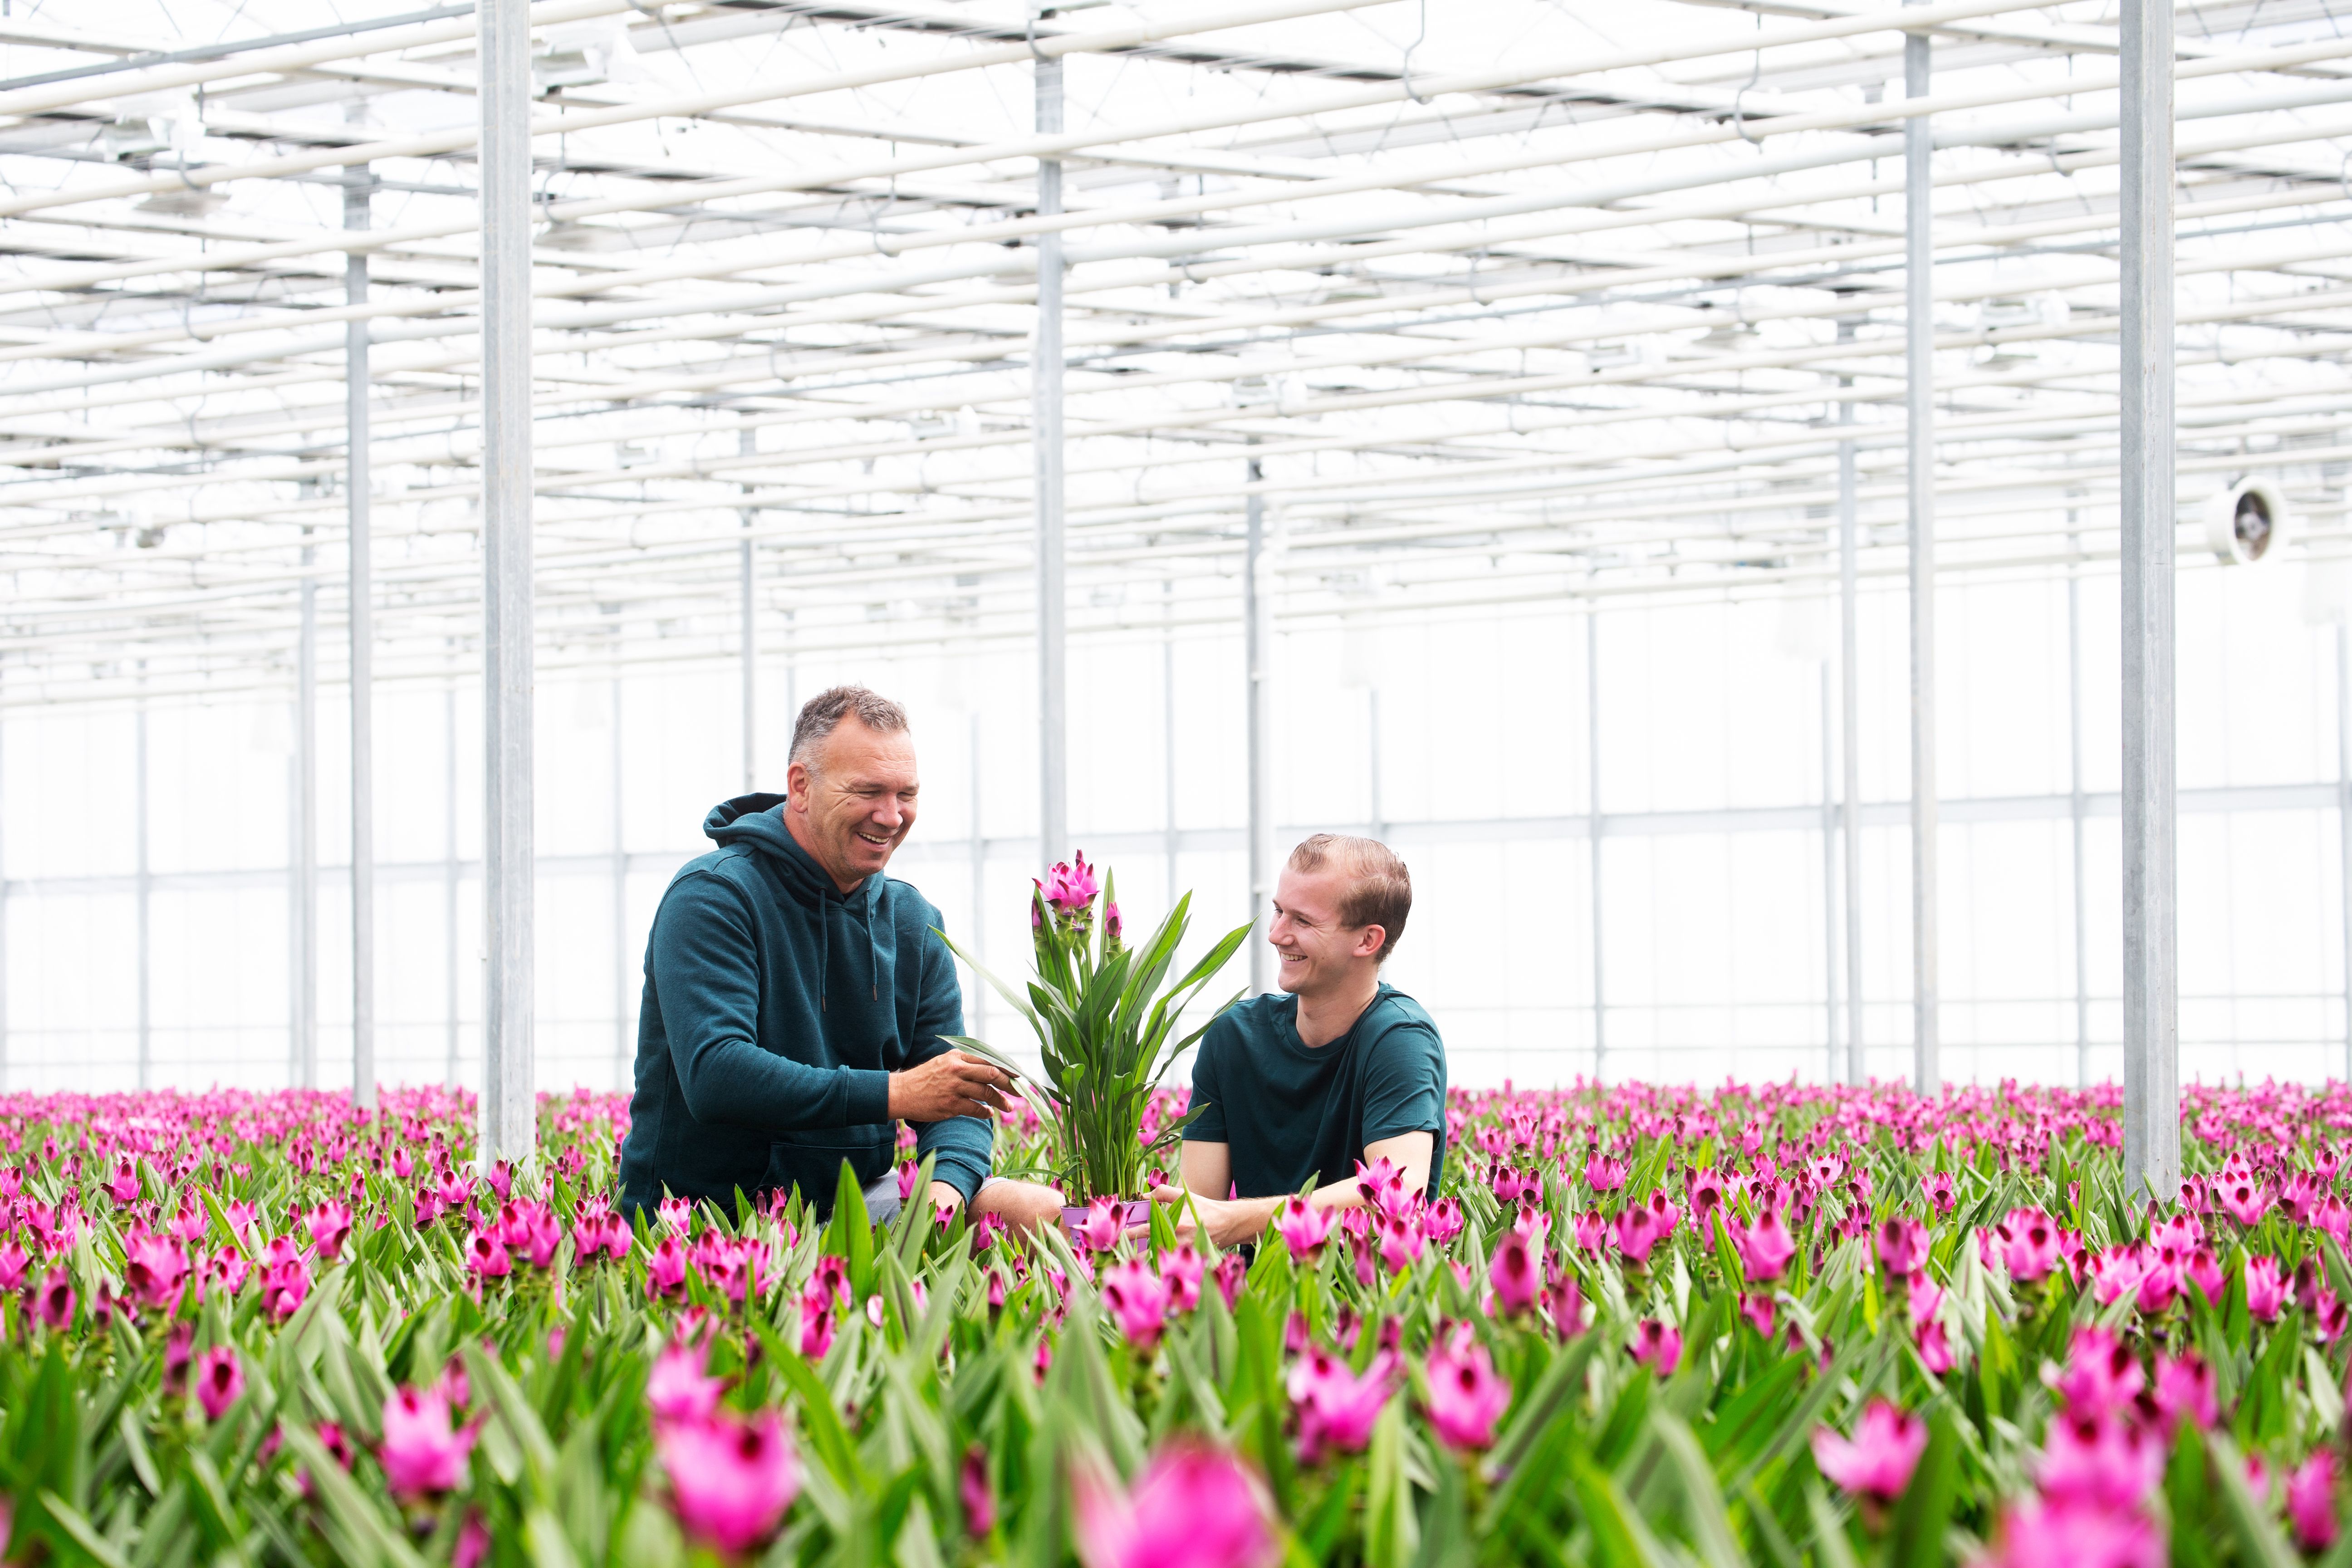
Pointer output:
1138, 1212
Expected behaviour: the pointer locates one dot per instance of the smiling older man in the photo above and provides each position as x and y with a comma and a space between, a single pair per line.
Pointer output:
795, 997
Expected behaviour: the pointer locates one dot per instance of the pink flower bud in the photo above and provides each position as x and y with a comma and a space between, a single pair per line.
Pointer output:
219, 1379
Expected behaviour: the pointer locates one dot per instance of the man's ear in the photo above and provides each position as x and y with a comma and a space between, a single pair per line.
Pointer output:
1369, 941
796, 787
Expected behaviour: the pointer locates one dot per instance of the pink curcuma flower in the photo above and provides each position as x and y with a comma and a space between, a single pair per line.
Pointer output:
154, 1268
2246, 1199
2030, 1244
1105, 1223
2043, 1534
2184, 1388
817, 1322
1070, 889
677, 1388
2203, 1271
731, 1481
53, 1303
2100, 1373
1656, 1345
1304, 1228
219, 1379
665, 1267
2265, 1288
330, 1225
1194, 1506
974, 1491
1901, 1245
1137, 1300
125, 1184
485, 1256
1466, 1395
1636, 1232
2311, 1501
1402, 1240
1381, 1186
1564, 1300
1765, 1246
285, 1281
1876, 1462
1336, 1408
1935, 1346
473, 1546
1181, 1271
421, 1452
2098, 1461
1512, 1273
1232, 1272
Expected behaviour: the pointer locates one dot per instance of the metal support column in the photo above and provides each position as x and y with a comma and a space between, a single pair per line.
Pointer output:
361, 546
4, 920
624, 1048
2343, 811
1372, 761
1919, 328
1046, 439
509, 1107
2077, 806
1168, 727
305, 1064
978, 1022
2152, 934
1850, 733
449, 884
1594, 831
1833, 1000
144, 911
1257, 640
748, 442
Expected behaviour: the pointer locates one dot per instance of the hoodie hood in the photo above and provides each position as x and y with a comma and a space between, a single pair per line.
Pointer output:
757, 821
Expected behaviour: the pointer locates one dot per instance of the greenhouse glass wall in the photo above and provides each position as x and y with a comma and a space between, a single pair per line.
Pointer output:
1533, 389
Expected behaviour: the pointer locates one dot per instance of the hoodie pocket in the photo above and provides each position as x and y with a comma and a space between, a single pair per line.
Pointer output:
812, 1161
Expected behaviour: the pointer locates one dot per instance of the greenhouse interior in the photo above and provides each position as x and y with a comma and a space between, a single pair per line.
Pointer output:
1817, 529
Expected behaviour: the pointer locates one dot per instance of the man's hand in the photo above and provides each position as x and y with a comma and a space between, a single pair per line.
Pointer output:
949, 1084
1229, 1221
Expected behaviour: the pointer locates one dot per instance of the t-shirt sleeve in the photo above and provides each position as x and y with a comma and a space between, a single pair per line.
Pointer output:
1404, 1084
1208, 1098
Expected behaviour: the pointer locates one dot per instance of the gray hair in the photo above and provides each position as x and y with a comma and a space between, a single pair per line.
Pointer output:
822, 714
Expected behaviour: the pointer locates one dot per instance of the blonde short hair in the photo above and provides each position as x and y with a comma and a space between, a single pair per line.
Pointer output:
1380, 888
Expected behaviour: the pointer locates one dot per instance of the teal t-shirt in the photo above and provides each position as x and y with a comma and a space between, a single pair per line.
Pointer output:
1290, 1114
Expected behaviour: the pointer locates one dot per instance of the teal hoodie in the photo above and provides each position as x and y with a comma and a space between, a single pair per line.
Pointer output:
775, 1009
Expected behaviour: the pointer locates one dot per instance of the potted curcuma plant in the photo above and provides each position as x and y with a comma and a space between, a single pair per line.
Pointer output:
1105, 1019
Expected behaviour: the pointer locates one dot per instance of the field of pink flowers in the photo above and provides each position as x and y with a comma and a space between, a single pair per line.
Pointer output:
1780, 1325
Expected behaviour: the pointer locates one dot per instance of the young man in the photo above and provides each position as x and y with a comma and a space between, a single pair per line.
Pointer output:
795, 997
1297, 1088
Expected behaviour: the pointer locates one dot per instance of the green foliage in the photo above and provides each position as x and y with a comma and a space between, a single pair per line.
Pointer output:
1106, 1016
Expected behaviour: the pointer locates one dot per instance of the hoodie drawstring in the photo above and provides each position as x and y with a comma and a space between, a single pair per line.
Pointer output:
873, 942
824, 947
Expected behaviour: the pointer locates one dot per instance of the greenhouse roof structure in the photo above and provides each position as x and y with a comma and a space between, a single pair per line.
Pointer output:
1498, 302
